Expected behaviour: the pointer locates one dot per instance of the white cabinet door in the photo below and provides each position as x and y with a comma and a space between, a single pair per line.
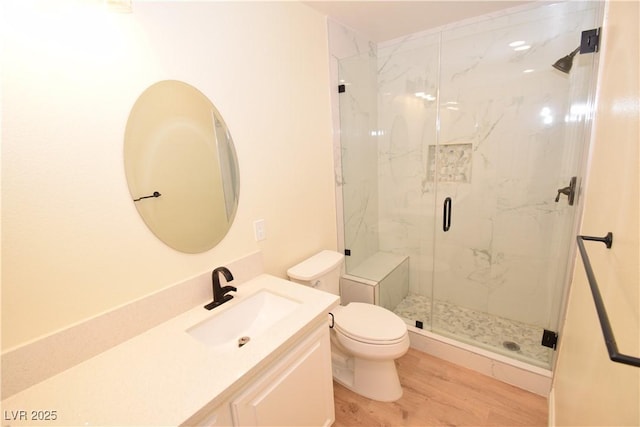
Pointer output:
296, 391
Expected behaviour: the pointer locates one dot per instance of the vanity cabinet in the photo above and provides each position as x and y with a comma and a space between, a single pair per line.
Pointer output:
295, 390
282, 376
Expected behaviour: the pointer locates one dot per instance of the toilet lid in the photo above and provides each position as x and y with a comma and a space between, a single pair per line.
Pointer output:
369, 323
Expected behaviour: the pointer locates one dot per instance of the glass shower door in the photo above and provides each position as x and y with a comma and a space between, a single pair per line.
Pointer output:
506, 144
454, 145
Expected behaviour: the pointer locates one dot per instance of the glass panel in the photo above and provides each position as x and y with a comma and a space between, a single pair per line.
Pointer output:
358, 115
505, 147
407, 93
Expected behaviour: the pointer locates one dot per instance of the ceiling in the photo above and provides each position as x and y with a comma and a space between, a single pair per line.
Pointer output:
386, 20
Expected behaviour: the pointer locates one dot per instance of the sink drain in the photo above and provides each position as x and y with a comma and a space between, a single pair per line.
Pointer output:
511, 346
242, 341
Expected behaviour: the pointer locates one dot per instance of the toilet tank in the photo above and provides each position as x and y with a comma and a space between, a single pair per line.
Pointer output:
321, 271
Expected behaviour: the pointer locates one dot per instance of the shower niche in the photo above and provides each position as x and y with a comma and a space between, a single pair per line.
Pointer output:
450, 163
452, 145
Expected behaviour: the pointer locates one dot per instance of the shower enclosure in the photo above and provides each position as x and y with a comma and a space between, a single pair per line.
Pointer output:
458, 147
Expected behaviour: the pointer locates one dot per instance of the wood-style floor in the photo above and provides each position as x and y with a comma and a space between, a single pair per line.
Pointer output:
440, 393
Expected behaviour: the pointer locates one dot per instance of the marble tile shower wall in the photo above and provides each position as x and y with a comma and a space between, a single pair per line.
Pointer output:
508, 129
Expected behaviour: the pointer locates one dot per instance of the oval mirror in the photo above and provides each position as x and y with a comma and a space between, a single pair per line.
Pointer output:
181, 166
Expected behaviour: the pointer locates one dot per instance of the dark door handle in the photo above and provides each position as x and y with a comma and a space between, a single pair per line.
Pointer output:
446, 214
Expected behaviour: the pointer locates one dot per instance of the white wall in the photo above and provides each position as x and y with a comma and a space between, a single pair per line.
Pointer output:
73, 245
588, 388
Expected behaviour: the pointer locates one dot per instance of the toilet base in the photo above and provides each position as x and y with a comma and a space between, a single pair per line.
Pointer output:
374, 379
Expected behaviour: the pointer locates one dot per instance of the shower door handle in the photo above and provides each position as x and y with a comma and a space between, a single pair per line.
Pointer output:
446, 215
569, 191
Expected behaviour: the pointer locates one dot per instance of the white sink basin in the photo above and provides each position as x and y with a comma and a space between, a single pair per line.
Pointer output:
246, 318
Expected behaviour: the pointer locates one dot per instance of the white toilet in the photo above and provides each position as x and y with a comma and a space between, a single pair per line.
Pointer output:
365, 338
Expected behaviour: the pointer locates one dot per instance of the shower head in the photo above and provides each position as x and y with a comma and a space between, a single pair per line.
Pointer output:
564, 64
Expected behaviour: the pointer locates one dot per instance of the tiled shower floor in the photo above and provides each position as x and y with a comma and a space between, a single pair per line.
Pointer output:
488, 331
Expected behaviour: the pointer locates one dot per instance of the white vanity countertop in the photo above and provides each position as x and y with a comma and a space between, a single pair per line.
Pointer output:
164, 376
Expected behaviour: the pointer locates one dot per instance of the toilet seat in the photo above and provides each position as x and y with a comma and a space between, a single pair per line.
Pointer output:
369, 324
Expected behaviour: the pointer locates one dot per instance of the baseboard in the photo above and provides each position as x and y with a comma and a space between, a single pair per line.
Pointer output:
552, 408
516, 373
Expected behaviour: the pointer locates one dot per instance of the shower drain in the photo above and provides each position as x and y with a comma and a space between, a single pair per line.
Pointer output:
510, 345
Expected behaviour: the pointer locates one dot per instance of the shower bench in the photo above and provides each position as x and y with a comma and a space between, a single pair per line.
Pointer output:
381, 279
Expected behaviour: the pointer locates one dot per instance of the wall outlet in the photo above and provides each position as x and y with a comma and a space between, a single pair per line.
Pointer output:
260, 230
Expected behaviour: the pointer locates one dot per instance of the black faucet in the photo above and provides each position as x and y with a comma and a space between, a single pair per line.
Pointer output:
220, 295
